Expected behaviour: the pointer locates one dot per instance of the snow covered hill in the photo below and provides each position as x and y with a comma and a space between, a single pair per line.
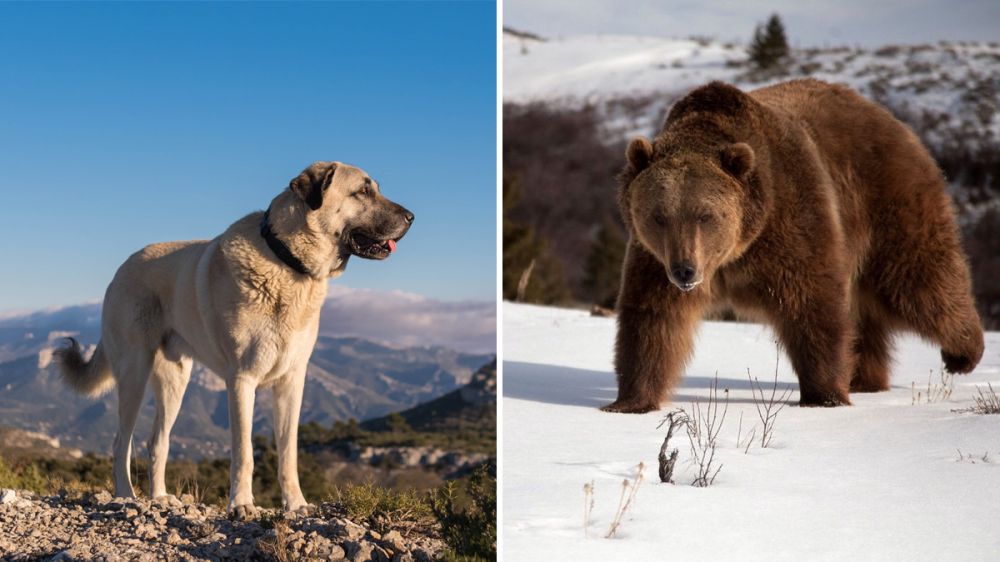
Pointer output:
885, 479
949, 92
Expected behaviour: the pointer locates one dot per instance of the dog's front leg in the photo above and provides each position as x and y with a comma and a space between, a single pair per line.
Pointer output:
241, 396
287, 404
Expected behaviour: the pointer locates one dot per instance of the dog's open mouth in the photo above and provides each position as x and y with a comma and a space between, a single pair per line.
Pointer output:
365, 246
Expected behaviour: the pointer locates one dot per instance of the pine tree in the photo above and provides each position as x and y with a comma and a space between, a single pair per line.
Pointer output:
603, 268
524, 250
769, 43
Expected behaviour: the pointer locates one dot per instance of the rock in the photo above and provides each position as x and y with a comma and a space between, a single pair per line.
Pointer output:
343, 528
394, 540
95, 527
359, 551
7, 496
336, 553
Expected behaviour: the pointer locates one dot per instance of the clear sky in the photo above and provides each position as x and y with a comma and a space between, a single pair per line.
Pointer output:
809, 23
123, 124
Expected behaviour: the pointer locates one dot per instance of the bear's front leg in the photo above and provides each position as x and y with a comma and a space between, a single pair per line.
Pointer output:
817, 334
656, 327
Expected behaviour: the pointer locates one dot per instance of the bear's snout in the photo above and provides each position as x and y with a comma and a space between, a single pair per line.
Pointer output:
684, 275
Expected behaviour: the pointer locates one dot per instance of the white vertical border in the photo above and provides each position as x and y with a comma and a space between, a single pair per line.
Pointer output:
499, 297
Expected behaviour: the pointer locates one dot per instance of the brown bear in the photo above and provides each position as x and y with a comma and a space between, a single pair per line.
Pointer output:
800, 204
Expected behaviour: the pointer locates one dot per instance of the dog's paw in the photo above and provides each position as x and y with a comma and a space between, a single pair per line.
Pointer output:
630, 407
244, 512
304, 510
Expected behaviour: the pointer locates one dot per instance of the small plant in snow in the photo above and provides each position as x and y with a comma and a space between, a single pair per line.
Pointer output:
629, 489
768, 406
973, 459
703, 427
674, 420
987, 402
740, 442
628, 495
588, 506
934, 392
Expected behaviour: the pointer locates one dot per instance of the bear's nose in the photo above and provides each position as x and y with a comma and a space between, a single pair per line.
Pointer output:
683, 272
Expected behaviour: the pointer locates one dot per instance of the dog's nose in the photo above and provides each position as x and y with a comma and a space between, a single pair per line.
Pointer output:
683, 272
408, 217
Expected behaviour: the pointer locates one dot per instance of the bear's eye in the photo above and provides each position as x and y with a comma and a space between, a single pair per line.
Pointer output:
660, 219
704, 218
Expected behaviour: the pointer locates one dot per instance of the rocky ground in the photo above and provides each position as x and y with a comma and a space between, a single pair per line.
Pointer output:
101, 528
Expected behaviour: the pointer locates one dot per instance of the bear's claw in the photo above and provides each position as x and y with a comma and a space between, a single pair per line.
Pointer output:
629, 407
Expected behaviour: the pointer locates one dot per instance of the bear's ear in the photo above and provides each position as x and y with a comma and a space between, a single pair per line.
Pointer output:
639, 154
312, 182
738, 159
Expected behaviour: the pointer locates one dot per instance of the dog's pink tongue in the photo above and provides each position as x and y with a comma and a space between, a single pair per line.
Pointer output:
392, 246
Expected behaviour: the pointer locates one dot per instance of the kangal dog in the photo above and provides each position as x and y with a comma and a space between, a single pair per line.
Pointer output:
246, 305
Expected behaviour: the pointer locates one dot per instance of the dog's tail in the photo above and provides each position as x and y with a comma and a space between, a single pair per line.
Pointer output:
93, 377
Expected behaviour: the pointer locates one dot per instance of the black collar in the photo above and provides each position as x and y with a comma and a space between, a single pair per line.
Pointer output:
279, 248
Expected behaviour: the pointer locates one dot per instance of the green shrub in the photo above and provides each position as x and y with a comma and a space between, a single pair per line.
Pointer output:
384, 508
468, 517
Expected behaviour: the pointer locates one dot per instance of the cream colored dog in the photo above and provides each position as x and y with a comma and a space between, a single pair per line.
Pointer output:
246, 305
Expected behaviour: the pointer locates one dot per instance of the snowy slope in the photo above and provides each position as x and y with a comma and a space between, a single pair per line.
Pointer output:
951, 90
599, 67
880, 480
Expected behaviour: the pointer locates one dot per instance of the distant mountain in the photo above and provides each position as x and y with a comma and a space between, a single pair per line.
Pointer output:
348, 377
472, 406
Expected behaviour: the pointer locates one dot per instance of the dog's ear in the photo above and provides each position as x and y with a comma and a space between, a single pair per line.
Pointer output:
738, 159
313, 182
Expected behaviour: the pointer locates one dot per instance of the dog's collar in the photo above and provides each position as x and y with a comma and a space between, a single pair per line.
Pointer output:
279, 248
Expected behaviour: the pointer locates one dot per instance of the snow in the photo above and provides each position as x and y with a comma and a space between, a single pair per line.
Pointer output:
948, 88
880, 480
599, 67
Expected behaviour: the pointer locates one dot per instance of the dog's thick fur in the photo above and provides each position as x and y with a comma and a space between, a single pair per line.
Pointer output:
801, 204
233, 305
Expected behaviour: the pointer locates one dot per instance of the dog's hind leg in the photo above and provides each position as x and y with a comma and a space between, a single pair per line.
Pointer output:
132, 373
171, 373
287, 405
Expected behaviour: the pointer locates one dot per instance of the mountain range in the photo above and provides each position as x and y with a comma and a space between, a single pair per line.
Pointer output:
348, 377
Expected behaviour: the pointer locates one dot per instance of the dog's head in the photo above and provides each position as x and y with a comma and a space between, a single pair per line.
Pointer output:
347, 204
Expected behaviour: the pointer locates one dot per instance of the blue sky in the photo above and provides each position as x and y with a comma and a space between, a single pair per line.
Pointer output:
124, 124
809, 23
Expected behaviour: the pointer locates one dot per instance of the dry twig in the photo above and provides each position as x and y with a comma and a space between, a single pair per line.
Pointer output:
768, 406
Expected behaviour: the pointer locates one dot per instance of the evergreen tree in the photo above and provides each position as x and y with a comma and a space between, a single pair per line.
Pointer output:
523, 249
602, 271
769, 43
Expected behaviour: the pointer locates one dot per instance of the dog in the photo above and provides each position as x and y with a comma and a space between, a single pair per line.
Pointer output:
246, 305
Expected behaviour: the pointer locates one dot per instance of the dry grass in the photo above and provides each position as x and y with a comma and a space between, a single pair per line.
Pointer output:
629, 489
935, 392
986, 402
277, 546
588, 506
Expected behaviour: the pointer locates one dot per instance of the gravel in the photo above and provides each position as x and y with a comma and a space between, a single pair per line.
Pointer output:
101, 528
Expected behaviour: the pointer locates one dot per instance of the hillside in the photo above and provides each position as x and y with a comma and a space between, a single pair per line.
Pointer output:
892, 477
348, 377
469, 408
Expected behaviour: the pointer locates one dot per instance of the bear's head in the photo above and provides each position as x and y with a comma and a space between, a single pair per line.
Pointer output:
688, 207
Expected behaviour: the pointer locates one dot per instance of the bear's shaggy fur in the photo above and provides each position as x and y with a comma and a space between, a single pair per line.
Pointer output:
801, 204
